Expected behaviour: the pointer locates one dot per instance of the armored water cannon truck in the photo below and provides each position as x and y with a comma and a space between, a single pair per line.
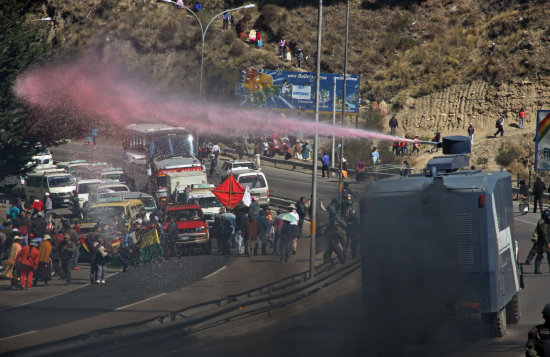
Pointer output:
439, 245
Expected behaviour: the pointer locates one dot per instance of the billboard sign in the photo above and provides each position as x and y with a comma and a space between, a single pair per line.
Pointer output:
295, 91
542, 148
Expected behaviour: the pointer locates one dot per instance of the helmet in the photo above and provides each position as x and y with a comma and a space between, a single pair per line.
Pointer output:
546, 310
545, 215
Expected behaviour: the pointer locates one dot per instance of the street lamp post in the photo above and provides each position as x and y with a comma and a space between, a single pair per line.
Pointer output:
340, 177
316, 148
203, 32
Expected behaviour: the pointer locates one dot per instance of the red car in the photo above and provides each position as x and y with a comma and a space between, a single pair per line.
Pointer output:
192, 227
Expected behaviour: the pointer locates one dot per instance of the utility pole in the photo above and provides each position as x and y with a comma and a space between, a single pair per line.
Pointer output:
316, 150
340, 176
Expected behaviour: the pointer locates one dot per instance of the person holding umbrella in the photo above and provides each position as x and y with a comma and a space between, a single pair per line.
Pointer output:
288, 233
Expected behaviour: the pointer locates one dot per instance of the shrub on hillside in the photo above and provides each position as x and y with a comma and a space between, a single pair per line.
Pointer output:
508, 153
237, 49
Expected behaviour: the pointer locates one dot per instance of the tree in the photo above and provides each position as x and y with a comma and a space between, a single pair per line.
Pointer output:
21, 45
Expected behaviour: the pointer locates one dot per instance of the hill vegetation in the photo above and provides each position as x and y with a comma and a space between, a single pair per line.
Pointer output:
405, 51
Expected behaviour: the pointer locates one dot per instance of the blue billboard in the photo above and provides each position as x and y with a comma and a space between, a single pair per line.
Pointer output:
295, 91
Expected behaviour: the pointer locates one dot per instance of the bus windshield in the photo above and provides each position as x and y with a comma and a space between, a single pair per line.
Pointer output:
61, 181
177, 145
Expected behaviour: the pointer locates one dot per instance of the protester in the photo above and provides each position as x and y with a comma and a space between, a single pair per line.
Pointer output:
374, 156
294, 242
393, 124
521, 116
12, 267
287, 234
48, 205
252, 233
265, 230
44, 271
500, 126
28, 260
282, 45
300, 57
102, 258
538, 191
301, 209
66, 255
325, 161
471, 131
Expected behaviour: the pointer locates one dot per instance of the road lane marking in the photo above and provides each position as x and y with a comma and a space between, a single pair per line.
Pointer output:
56, 295
18, 335
214, 273
139, 302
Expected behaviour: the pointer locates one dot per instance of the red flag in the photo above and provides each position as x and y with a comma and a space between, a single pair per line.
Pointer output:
230, 192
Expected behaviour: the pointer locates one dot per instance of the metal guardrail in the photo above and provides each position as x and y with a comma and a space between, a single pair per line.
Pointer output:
206, 314
373, 172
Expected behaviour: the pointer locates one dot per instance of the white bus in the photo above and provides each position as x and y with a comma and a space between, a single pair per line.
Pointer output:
159, 149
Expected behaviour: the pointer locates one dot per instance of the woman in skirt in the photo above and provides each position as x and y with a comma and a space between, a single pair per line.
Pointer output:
44, 271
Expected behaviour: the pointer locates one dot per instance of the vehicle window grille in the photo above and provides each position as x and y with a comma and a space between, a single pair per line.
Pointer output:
463, 224
465, 254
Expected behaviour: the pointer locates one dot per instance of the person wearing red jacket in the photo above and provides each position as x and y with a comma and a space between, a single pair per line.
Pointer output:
28, 259
38, 205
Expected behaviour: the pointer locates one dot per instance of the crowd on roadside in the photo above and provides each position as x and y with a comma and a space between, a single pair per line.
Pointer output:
36, 244
253, 229
288, 146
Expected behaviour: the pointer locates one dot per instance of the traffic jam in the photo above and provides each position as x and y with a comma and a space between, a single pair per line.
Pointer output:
174, 210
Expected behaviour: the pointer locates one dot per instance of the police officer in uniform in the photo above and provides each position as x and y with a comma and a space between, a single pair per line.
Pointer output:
543, 240
538, 338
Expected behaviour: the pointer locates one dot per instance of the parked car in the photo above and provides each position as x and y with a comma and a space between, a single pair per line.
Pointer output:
257, 182
193, 232
237, 166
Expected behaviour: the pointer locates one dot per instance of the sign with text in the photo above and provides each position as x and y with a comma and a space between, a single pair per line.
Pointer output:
542, 148
295, 91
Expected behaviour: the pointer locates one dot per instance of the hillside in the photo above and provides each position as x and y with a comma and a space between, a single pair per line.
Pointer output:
429, 59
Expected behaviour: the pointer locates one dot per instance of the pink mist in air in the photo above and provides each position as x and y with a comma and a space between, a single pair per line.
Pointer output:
93, 90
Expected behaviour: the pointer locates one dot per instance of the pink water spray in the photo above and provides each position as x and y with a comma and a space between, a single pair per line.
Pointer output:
102, 91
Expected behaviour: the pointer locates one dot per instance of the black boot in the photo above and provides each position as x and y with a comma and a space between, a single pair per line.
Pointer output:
255, 250
537, 267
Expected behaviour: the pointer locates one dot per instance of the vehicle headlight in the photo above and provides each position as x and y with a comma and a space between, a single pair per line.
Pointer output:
200, 229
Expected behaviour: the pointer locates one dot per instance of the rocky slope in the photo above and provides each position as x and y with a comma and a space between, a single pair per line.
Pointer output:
450, 112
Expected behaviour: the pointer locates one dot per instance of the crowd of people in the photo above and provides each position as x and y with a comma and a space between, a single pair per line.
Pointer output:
35, 249
36, 244
253, 229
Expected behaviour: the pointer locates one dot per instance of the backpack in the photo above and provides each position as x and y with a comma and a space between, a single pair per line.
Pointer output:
496, 124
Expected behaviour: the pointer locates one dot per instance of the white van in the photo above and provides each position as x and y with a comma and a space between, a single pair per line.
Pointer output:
84, 188
112, 174
108, 187
43, 157
257, 183
57, 182
74, 167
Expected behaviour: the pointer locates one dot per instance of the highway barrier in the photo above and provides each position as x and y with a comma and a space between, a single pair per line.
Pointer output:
204, 315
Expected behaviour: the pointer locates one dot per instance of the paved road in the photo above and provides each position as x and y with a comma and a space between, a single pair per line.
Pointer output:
87, 300
332, 325
316, 325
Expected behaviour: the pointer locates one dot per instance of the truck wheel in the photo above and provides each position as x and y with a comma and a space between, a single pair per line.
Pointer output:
495, 323
512, 310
